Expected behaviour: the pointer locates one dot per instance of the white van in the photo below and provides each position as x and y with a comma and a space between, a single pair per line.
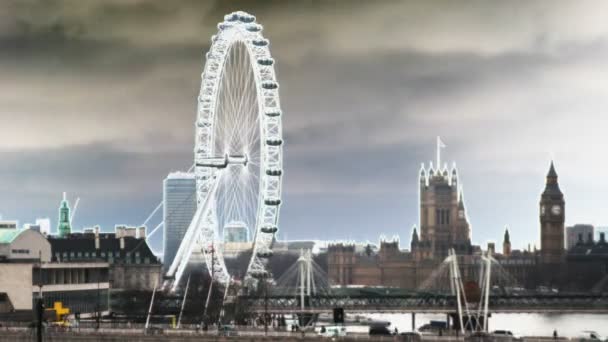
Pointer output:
331, 331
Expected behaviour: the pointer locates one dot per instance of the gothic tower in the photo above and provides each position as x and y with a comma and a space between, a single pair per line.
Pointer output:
443, 222
506, 243
552, 217
64, 228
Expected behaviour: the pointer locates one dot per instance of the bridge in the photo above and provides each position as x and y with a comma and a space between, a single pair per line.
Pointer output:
300, 291
427, 303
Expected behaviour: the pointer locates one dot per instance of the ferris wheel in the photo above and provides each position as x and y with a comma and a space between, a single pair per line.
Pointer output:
238, 152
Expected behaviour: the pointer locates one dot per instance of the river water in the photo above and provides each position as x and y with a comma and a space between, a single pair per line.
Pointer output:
567, 325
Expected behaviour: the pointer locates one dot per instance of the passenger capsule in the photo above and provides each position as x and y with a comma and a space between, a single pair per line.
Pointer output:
260, 42
270, 85
269, 229
246, 18
272, 201
274, 142
274, 172
266, 61
273, 112
254, 27
265, 254
231, 17
223, 26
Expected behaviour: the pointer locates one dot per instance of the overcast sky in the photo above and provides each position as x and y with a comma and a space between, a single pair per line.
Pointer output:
98, 98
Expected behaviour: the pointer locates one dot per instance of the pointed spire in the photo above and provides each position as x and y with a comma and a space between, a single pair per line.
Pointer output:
552, 172
414, 236
552, 186
507, 237
460, 199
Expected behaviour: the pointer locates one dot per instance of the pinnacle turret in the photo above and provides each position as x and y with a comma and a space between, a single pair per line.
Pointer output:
64, 227
552, 185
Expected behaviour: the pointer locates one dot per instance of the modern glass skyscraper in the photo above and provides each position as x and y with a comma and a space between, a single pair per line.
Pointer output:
179, 196
236, 231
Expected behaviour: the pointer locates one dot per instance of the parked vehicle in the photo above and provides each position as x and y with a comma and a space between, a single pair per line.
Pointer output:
332, 331
590, 336
379, 330
434, 327
505, 335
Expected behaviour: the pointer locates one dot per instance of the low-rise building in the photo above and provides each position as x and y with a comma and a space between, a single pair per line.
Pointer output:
27, 272
133, 266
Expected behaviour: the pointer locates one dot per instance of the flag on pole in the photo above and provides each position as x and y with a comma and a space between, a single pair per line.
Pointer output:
440, 142
440, 145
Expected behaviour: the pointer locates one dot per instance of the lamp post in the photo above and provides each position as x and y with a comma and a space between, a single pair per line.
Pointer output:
39, 302
265, 307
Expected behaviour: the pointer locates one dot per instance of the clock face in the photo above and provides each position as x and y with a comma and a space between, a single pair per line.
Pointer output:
542, 210
556, 209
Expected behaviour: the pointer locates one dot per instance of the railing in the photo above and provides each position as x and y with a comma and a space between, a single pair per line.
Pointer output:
432, 303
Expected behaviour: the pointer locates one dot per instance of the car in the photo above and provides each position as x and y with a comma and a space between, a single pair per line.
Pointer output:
227, 330
379, 330
505, 335
332, 331
590, 336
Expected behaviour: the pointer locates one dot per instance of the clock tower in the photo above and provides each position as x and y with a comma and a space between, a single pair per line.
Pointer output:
552, 217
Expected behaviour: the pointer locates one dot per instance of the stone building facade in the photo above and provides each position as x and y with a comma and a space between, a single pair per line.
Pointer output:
444, 225
133, 266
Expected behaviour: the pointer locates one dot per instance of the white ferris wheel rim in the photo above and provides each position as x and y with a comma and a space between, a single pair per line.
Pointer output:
237, 28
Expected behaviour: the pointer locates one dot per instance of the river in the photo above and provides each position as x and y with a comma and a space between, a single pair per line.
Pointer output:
567, 325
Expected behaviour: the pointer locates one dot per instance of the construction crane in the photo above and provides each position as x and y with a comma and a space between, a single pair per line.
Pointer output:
74, 211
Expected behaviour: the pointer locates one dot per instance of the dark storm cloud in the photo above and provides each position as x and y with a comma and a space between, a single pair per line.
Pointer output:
101, 95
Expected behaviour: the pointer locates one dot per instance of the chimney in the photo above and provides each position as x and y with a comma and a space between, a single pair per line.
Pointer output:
141, 232
491, 248
122, 242
96, 232
590, 238
602, 238
119, 230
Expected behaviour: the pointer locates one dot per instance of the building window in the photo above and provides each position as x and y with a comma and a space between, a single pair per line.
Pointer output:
20, 251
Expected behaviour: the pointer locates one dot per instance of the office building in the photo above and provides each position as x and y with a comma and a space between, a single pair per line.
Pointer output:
27, 270
579, 234
179, 198
236, 231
